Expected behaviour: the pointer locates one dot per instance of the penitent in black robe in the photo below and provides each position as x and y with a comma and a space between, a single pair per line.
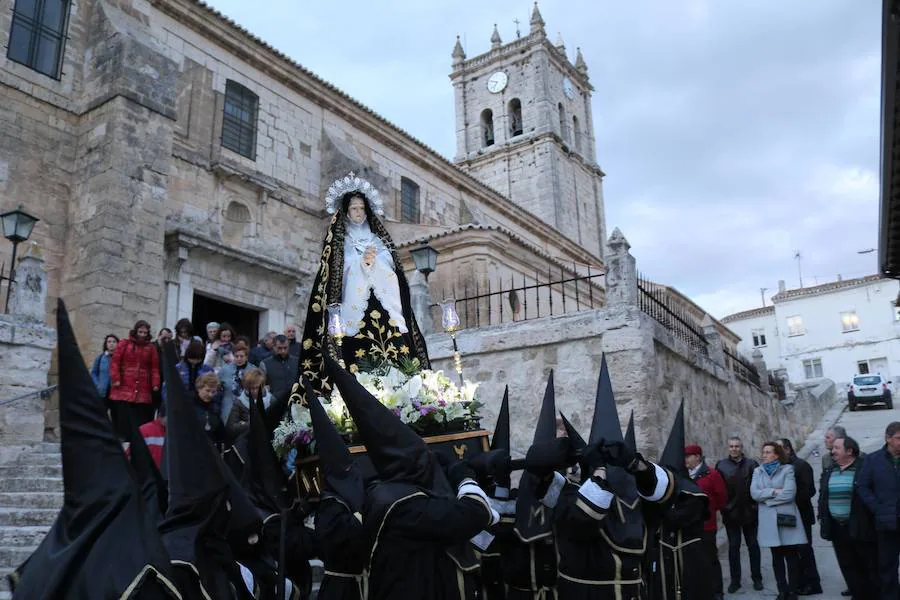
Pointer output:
418, 543
343, 550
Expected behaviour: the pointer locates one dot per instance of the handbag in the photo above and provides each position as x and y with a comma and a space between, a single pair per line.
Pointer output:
784, 520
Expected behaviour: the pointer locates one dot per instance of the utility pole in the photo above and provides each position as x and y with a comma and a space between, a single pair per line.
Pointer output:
762, 294
799, 259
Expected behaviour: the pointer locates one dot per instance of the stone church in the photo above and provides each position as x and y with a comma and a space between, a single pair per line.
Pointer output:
178, 166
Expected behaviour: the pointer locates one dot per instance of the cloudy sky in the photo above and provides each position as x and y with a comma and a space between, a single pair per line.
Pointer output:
733, 133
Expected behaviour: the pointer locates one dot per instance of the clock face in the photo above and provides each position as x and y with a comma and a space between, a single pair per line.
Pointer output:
496, 83
568, 88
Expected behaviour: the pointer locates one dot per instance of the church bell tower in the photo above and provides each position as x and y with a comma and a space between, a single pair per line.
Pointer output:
524, 127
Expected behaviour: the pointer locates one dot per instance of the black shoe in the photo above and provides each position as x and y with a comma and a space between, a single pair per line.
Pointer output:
757, 585
809, 590
733, 587
845, 593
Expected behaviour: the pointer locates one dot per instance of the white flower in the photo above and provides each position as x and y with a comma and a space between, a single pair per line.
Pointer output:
468, 391
335, 409
300, 414
455, 410
414, 386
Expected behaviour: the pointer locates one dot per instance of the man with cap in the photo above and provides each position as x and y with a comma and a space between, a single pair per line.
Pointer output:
712, 484
417, 520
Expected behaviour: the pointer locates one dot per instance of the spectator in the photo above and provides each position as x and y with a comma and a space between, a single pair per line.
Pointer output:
775, 489
191, 367
280, 369
879, 489
100, 368
712, 484
212, 331
208, 405
184, 333
253, 386
846, 522
232, 375
154, 434
263, 350
290, 332
831, 434
218, 353
810, 583
134, 376
164, 335
739, 514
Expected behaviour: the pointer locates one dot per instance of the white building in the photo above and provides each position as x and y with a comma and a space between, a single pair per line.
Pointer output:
835, 330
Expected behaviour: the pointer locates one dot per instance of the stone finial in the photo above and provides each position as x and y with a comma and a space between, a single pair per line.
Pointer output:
617, 241
30, 290
537, 21
621, 271
580, 65
496, 42
459, 55
559, 43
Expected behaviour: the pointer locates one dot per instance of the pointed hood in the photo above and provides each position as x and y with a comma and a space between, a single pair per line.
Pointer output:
533, 520
672, 456
395, 450
500, 439
340, 475
578, 442
606, 423
264, 478
630, 441
149, 479
104, 542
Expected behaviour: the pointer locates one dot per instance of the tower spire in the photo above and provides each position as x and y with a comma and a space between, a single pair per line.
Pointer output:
537, 21
459, 55
580, 65
559, 43
496, 42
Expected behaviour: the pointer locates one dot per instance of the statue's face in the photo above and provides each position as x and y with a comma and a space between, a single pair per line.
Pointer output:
356, 210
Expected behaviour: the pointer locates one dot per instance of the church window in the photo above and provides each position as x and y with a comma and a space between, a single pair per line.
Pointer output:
577, 132
515, 117
237, 212
409, 201
487, 127
38, 34
563, 124
239, 120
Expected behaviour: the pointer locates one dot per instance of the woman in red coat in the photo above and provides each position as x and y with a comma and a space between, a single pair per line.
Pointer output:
134, 376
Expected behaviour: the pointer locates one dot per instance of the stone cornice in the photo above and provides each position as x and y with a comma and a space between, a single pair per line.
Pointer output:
520, 145
236, 40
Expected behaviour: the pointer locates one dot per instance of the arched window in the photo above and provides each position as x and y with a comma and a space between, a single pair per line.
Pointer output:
515, 117
409, 201
487, 127
563, 124
577, 132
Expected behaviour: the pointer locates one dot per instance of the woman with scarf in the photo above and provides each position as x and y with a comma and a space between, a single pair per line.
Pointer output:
774, 487
134, 376
360, 271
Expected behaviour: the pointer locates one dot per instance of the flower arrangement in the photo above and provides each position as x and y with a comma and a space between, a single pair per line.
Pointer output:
428, 401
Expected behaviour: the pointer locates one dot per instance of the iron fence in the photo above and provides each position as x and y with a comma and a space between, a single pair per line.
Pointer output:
659, 304
521, 298
744, 369
43, 394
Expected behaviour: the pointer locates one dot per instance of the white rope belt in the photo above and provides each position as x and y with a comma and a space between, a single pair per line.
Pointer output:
601, 582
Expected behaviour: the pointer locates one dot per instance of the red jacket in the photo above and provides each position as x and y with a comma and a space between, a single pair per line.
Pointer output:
712, 484
154, 434
134, 372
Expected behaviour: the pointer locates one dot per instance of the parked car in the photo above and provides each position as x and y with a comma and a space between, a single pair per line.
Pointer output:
869, 389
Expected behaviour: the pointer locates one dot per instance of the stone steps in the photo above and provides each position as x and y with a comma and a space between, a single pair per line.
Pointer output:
31, 500
33, 484
30, 471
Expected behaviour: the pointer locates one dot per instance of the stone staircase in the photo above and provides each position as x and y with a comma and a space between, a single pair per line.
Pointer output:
31, 494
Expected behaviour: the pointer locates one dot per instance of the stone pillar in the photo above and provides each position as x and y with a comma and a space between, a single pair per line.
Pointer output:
715, 346
621, 272
421, 301
760, 364
29, 299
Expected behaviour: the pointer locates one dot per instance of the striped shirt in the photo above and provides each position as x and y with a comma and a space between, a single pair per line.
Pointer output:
840, 491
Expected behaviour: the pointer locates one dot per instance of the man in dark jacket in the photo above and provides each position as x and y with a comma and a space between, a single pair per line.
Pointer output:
280, 368
879, 489
810, 583
845, 521
739, 513
263, 350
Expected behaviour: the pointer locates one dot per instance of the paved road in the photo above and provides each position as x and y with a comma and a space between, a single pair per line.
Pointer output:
867, 427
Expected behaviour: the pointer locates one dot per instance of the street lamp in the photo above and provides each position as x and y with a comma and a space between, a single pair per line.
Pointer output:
17, 227
425, 258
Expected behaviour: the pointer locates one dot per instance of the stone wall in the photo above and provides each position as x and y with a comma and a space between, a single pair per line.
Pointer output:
651, 371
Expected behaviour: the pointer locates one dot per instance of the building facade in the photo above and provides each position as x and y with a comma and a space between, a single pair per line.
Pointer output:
835, 330
178, 165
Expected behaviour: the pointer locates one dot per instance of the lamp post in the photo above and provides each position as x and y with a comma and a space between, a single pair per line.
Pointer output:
450, 322
17, 227
336, 329
425, 258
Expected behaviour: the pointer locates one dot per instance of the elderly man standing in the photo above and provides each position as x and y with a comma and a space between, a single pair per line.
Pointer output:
879, 488
740, 513
280, 369
290, 332
712, 484
834, 432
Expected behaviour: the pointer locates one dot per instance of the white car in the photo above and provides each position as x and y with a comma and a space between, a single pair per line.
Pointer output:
869, 389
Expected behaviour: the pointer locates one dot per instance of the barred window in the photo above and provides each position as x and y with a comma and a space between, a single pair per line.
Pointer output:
38, 34
239, 120
409, 201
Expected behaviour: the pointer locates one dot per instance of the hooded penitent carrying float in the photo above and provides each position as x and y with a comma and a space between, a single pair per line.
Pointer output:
416, 523
104, 543
600, 526
675, 555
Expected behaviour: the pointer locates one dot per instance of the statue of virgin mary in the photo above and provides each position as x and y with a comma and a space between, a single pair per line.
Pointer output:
359, 270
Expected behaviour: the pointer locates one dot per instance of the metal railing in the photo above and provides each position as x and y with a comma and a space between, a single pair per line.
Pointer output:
43, 394
655, 301
742, 368
522, 298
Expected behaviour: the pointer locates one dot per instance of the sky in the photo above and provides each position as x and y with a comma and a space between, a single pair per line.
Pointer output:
733, 133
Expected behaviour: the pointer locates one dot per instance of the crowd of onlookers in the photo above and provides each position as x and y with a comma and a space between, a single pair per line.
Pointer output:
220, 372
769, 505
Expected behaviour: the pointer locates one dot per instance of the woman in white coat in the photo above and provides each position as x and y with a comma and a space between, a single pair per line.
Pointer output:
780, 527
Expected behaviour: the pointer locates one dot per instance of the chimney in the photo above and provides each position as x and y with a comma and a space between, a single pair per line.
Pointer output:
840, 278
781, 287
